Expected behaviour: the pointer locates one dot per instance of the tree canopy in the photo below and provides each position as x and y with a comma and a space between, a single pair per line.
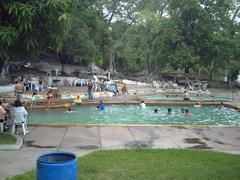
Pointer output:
200, 36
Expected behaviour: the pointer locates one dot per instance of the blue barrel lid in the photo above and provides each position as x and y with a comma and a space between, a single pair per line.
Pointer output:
56, 157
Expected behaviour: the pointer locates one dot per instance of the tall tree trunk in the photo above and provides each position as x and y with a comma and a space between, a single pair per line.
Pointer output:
113, 62
62, 58
3, 64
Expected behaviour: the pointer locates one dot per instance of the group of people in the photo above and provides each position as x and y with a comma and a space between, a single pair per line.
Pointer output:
184, 112
28, 83
100, 107
101, 86
24, 84
186, 96
13, 116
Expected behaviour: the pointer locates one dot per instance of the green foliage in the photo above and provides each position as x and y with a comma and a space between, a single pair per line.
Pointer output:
88, 37
183, 57
28, 27
150, 35
201, 29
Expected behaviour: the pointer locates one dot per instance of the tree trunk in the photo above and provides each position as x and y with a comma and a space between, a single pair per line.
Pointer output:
210, 76
62, 58
113, 62
3, 64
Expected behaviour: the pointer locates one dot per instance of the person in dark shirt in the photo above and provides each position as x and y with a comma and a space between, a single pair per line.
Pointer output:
90, 89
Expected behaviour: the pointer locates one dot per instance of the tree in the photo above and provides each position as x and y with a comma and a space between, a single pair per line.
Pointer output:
203, 38
30, 26
88, 38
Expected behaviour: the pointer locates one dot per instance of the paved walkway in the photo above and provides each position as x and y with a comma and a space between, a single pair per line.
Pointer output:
85, 139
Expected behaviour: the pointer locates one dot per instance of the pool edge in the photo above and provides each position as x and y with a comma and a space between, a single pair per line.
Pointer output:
124, 125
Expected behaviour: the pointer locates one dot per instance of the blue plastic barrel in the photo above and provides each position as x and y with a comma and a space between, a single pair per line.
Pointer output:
57, 166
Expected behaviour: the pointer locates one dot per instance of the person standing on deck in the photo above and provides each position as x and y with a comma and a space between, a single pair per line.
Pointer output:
40, 83
90, 90
2, 115
19, 89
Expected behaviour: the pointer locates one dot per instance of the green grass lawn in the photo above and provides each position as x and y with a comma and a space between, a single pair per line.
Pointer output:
7, 139
155, 164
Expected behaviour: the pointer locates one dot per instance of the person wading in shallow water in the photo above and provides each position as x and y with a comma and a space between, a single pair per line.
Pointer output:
90, 89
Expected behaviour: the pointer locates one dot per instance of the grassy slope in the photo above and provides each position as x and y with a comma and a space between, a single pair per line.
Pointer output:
7, 139
155, 164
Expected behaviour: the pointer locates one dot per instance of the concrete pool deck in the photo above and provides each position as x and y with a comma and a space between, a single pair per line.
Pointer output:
85, 139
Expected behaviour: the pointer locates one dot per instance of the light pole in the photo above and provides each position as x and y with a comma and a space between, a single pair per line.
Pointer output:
110, 50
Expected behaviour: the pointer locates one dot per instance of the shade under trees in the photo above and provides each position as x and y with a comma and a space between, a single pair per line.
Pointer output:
150, 36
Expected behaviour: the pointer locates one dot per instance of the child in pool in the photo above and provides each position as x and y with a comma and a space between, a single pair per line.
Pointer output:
221, 106
101, 106
169, 111
142, 104
70, 110
182, 111
187, 113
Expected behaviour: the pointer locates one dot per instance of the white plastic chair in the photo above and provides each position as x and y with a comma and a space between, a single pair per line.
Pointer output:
17, 120
2, 126
24, 127
191, 87
204, 86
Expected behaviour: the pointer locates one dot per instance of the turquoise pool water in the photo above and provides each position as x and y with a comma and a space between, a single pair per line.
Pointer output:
132, 114
192, 97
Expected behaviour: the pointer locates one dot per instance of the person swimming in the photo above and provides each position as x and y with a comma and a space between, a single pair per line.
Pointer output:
182, 111
155, 111
187, 113
221, 106
169, 111
101, 106
69, 110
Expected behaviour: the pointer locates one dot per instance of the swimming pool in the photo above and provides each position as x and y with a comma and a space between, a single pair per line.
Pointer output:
192, 97
132, 114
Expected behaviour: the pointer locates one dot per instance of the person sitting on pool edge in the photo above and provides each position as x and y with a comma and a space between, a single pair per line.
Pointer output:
197, 104
186, 96
101, 106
